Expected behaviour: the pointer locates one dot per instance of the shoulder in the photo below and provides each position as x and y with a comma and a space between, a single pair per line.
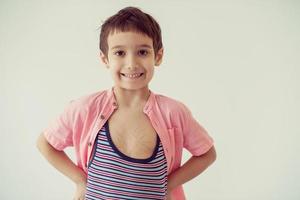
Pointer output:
86, 102
171, 105
90, 98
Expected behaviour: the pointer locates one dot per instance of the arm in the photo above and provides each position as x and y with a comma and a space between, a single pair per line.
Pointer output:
192, 168
64, 164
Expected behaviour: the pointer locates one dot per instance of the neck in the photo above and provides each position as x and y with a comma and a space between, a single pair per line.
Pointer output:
131, 98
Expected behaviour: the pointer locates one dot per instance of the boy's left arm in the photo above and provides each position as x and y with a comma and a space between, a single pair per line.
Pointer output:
192, 168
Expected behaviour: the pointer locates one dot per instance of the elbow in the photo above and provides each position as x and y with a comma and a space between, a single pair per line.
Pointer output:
44, 147
40, 142
212, 155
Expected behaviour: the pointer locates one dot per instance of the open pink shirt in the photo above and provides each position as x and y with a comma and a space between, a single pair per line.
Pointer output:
82, 119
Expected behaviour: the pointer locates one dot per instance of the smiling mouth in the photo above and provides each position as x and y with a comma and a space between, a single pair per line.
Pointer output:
132, 76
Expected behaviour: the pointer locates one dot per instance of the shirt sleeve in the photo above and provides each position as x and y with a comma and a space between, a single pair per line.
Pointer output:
196, 139
60, 131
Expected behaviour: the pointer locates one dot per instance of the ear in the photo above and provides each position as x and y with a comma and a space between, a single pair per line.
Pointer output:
159, 56
104, 59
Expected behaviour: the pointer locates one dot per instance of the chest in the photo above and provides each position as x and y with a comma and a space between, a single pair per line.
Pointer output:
132, 133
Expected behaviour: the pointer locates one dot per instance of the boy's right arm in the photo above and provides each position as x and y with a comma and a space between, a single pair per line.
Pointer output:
64, 164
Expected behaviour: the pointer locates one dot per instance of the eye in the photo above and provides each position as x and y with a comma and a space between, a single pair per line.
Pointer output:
143, 52
119, 53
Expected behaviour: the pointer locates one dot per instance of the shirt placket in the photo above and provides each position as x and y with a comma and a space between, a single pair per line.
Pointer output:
104, 116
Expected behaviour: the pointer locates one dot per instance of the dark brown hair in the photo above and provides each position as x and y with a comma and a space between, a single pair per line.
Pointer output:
131, 19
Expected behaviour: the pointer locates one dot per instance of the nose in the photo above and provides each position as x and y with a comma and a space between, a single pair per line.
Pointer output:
131, 63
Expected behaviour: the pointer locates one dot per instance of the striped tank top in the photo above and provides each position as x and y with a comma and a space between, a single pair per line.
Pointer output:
113, 175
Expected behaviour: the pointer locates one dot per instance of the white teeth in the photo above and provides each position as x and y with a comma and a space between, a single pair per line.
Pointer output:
132, 75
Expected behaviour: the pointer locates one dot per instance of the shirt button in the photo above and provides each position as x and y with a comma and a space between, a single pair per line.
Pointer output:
115, 104
102, 116
90, 144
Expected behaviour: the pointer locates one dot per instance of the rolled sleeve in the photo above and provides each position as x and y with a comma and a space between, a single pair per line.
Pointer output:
60, 131
196, 139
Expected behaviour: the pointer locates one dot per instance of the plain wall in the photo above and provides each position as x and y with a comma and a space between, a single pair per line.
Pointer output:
235, 64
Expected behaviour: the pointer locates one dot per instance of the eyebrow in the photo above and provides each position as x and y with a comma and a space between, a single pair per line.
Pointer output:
142, 45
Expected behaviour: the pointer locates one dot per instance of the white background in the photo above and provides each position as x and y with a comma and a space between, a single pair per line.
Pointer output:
235, 64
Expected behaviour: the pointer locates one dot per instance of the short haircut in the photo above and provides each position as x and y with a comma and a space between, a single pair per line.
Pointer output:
131, 19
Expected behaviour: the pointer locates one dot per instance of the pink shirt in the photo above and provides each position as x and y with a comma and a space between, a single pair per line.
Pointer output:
82, 119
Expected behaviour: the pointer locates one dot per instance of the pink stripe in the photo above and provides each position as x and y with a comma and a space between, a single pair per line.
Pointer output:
100, 196
130, 171
117, 192
133, 187
107, 174
125, 162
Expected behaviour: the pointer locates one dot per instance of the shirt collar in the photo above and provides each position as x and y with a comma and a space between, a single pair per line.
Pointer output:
148, 106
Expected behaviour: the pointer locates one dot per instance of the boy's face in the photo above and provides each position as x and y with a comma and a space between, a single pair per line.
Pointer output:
131, 59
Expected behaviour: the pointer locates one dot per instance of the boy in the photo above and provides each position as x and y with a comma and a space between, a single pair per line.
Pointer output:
128, 140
